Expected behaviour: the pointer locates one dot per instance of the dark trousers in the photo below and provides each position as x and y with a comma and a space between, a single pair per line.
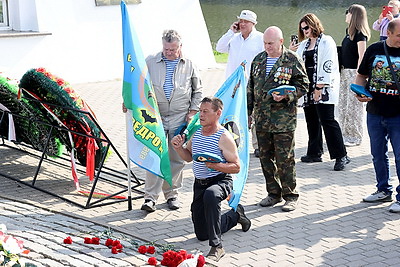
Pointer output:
318, 117
206, 210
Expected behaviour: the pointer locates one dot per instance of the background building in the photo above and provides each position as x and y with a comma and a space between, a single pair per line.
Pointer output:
82, 42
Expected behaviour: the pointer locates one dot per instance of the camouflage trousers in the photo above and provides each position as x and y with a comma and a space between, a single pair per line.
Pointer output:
277, 162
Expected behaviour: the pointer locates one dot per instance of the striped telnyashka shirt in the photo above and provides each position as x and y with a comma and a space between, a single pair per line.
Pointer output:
169, 75
209, 144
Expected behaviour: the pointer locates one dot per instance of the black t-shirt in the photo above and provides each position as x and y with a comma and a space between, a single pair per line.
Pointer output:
386, 99
350, 50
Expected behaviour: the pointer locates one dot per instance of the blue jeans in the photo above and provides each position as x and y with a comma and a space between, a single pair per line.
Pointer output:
382, 129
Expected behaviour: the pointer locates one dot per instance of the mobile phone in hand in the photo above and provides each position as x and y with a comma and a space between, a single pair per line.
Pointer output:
237, 24
386, 10
294, 39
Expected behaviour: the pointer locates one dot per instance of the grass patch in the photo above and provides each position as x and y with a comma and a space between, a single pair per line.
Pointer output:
220, 57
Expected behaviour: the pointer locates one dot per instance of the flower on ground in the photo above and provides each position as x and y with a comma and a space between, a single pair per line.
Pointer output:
151, 250
114, 250
152, 261
116, 243
10, 247
95, 240
68, 240
87, 240
109, 242
142, 249
201, 261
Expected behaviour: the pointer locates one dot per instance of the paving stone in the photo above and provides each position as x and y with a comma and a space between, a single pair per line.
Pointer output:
330, 227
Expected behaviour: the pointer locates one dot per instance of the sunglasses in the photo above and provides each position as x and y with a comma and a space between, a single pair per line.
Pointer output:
347, 11
305, 28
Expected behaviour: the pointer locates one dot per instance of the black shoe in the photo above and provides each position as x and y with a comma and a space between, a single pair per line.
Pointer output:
341, 163
310, 159
243, 220
257, 153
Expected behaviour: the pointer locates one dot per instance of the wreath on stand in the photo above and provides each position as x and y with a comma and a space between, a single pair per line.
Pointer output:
26, 122
61, 105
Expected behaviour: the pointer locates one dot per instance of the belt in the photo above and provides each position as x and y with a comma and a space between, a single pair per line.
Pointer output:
207, 181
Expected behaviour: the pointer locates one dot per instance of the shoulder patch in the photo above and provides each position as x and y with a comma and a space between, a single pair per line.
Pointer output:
328, 66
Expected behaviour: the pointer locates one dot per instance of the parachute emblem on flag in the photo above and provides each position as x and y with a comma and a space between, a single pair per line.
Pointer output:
232, 124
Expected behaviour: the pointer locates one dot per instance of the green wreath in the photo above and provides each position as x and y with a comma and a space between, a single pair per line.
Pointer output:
26, 121
54, 90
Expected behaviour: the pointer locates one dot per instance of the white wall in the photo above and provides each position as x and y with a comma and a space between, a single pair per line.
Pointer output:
86, 41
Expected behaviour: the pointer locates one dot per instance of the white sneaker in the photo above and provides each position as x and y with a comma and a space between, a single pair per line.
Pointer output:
378, 196
395, 207
148, 205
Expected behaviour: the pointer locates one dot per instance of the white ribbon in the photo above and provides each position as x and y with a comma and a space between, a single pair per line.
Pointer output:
11, 126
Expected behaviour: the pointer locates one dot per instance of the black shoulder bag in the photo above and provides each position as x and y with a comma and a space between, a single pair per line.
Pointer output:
390, 65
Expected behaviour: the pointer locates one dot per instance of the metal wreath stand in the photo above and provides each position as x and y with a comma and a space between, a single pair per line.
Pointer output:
108, 199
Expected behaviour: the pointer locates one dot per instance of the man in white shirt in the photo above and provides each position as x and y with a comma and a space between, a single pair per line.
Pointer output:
242, 42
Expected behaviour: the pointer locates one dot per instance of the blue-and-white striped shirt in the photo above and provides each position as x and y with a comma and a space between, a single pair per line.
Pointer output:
270, 63
169, 75
202, 143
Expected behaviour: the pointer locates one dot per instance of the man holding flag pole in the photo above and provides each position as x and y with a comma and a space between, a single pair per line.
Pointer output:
173, 102
155, 114
178, 91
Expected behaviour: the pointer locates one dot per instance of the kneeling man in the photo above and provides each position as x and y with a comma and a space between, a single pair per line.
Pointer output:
213, 182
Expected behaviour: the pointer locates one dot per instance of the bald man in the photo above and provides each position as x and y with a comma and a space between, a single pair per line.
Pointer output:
275, 115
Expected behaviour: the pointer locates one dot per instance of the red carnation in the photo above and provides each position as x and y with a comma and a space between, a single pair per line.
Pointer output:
59, 81
151, 250
95, 240
109, 242
43, 70
119, 246
168, 253
165, 262
201, 261
114, 250
142, 249
189, 256
152, 261
87, 240
116, 242
179, 259
183, 253
68, 240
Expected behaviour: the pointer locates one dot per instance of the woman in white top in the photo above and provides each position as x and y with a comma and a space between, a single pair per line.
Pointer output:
321, 60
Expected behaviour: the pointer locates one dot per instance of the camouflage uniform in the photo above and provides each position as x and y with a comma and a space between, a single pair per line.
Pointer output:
276, 121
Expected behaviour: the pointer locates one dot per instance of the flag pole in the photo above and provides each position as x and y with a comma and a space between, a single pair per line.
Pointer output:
128, 161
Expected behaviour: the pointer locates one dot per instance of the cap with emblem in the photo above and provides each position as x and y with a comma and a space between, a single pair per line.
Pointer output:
248, 15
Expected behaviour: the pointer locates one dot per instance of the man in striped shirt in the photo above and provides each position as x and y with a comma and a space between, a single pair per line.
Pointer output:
178, 90
213, 181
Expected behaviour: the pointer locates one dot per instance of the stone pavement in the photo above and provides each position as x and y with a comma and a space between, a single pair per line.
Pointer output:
330, 227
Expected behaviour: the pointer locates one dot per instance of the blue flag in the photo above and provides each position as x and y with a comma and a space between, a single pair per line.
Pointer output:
234, 118
147, 144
